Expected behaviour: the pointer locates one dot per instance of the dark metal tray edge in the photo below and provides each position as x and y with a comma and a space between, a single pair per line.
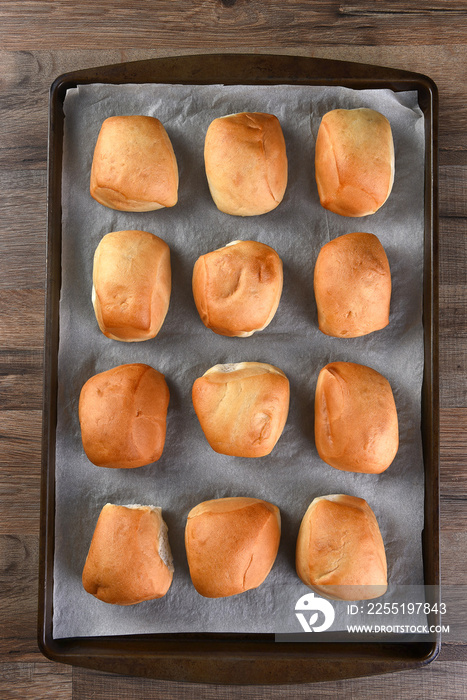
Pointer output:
240, 659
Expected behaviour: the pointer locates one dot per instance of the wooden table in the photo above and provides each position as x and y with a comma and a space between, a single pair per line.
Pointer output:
41, 39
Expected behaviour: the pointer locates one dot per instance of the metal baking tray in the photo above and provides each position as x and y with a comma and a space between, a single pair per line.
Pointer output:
241, 658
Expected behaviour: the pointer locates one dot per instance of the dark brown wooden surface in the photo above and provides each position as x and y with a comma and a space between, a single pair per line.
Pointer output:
40, 39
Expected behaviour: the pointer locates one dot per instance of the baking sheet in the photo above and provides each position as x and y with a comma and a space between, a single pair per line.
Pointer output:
189, 471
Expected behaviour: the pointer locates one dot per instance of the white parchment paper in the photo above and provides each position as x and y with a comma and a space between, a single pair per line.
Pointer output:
189, 471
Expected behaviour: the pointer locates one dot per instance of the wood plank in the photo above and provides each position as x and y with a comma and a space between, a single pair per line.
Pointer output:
35, 681
20, 360
19, 567
25, 71
27, 305
452, 652
452, 252
23, 228
453, 449
453, 507
452, 344
231, 24
442, 679
452, 543
21, 391
453, 287
20, 455
27, 75
453, 192
432, 8
21, 356
20, 433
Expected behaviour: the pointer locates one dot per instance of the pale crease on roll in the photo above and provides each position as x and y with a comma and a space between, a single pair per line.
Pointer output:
129, 559
231, 544
131, 285
237, 288
242, 407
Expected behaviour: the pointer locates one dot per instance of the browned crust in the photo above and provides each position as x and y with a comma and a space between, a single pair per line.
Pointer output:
124, 565
352, 284
131, 284
134, 166
231, 544
340, 552
237, 288
242, 408
122, 413
356, 425
354, 161
246, 163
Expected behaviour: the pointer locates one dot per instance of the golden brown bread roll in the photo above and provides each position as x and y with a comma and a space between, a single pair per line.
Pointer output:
354, 161
246, 163
242, 407
134, 166
340, 552
356, 427
237, 288
352, 283
231, 544
129, 558
131, 284
122, 413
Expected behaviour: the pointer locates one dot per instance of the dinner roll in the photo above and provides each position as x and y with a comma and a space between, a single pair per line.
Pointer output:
122, 413
242, 408
246, 163
237, 288
354, 161
131, 285
352, 283
356, 427
129, 559
340, 552
231, 544
134, 166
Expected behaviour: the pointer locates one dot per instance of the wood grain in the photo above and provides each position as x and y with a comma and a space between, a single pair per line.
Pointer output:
453, 200
453, 352
39, 40
41, 681
447, 681
239, 24
20, 435
453, 430
18, 591
23, 228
